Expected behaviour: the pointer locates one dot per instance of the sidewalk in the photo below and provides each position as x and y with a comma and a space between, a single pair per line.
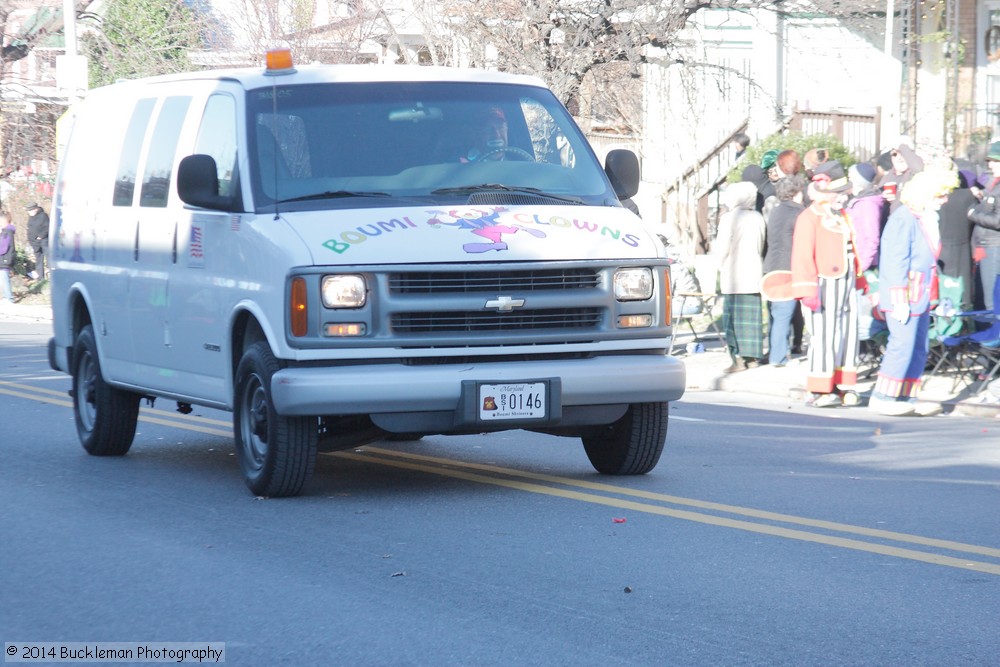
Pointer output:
705, 373
20, 312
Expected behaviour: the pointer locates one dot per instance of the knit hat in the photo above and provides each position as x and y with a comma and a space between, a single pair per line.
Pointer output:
862, 173
829, 177
994, 151
769, 158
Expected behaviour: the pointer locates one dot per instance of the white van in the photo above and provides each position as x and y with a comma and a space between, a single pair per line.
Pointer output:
342, 254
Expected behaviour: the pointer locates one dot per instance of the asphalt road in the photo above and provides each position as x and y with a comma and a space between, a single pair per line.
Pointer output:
768, 535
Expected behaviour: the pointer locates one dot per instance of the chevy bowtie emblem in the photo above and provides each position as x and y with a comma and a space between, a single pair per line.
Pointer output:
504, 304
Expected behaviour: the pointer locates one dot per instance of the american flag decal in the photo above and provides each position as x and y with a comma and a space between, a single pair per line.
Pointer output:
197, 243
234, 223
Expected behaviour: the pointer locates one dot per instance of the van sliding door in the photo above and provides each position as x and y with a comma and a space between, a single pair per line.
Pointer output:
215, 263
154, 248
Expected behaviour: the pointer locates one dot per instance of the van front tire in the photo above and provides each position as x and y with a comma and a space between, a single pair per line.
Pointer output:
106, 417
633, 444
277, 454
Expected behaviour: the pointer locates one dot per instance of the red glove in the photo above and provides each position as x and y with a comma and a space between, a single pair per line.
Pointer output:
978, 254
813, 303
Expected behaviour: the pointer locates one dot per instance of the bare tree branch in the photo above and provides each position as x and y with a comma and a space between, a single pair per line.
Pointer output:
19, 46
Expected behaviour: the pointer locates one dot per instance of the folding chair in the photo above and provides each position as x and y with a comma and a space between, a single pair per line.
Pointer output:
681, 318
947, 320
974, 356
981, 354
870, 351
689, 302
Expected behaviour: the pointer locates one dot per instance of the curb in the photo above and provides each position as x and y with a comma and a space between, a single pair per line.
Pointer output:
705, 374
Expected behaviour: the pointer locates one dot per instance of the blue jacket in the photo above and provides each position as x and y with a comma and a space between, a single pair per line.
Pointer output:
907, 262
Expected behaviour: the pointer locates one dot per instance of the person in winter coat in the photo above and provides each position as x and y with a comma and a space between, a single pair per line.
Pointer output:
824, 278
986, 236
38, 237
7, 255
905, 163
868, 212
956, 236
739, 245
911, 244
778, 263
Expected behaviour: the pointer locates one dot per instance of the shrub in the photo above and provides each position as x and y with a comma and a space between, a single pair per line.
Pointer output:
23, 262
795, 141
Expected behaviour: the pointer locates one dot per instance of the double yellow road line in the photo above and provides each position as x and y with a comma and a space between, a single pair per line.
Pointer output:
841, 535
715, 514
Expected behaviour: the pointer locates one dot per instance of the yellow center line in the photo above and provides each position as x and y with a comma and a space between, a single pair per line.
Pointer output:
61, 400
33, 389
701, 504
146, 414
67, 402
766, 529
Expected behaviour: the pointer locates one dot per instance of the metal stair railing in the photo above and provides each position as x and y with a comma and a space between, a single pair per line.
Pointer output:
686, 199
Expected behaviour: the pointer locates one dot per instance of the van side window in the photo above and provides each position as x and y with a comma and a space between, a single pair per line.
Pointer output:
550, 144
128, 162
162, 149
217, 137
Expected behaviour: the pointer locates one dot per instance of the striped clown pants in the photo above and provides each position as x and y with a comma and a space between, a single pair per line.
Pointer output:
833, 343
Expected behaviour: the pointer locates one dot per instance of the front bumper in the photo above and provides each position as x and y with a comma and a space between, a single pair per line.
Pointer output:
397, 388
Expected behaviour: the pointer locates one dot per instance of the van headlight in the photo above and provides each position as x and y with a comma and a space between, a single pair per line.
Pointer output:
635, 284
346, 291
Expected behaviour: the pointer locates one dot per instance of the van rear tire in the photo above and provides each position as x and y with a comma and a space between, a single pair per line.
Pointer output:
105, 417
277, 454
633, 444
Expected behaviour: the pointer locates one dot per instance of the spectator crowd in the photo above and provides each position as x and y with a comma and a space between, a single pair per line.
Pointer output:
857, 257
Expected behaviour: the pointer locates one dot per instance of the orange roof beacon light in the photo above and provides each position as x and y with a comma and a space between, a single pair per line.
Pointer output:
279, 61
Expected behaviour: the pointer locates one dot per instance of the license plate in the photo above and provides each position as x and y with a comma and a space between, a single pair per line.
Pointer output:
515, 400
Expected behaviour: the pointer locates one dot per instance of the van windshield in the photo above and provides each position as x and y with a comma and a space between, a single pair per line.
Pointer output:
378, 144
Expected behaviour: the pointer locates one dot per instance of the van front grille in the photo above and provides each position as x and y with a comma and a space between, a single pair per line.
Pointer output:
490, 322
433, 282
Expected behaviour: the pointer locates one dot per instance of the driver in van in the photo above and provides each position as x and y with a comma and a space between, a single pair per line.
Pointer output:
489, 136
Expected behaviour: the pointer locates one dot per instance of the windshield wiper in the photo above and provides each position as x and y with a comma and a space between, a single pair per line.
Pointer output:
335, 194
468, 189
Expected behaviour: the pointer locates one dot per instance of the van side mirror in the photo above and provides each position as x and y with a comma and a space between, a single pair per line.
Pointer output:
198, 183
622, 167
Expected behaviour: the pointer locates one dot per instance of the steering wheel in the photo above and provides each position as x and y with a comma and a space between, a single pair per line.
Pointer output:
513, 150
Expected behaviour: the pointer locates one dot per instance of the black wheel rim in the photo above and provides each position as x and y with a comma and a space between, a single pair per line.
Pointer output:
86, 392
253, 423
